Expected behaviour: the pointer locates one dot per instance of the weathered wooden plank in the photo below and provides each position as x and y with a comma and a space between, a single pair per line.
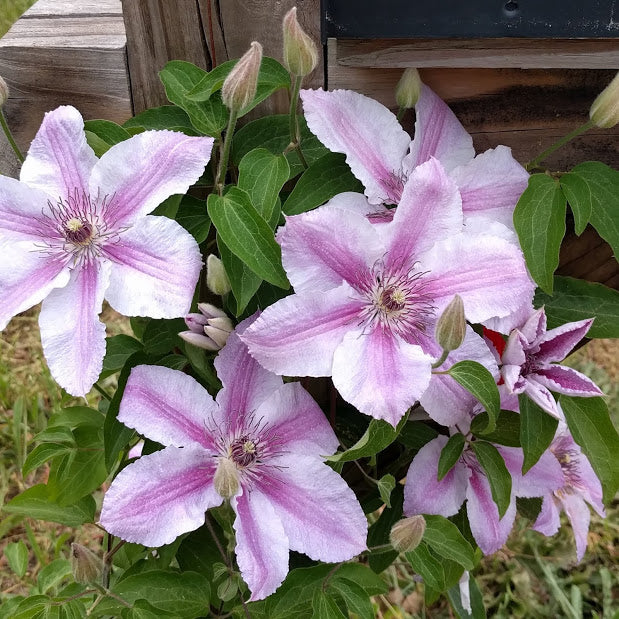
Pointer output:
56, 8
480, 53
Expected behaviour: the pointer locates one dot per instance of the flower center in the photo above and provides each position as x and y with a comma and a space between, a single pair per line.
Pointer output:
243, 451
78, 232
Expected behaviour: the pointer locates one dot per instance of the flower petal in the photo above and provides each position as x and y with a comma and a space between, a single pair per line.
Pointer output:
261, 543
506, 324
379, 373
542, 396
293, 416
141, 172
59, 160
534, 326
491, 184
160, 496
27, 276
543, 478
298, 335
366, 132
578, 513
557, 343
327, 246
320, 513
156, 265
489, 532
488, 272
561, 379
72, 335
439, 134
430, 210
548, 521
423, 493
167, 406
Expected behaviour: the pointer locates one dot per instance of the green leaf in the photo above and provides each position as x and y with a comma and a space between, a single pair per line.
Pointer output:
363, 576
198, 551
53, 574
36, 502
539, 219
537, 429
416, 434
476, 379
262, 175
98, 145
477, 603
164, 117
380, 434
356, 599
498, 476
108, 131
76, 416
273, 133
450, 454
118, 349
179, 78
247, 235
16, 554
169, 207
507, 431
576, 299
529, 507
592, 189
325, 607
589, 422
161, 336
386, 485
445, 539
324, 179
140, 610
427, 566
193, 217
43, 453
378, 534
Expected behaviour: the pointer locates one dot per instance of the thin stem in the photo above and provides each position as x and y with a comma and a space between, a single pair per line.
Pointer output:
401, 113
295, 131
558, 144
102, 392
73, 597
9, 136
107, 564
440, 360
220, 181
108, 555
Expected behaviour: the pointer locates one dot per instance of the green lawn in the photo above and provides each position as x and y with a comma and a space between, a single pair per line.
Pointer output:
10, 10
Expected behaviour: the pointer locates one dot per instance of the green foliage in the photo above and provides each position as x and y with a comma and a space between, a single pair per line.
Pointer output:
169, 117
450, 454
498, 476
16, 554
537, 429
445, 539
507, 431
192, 215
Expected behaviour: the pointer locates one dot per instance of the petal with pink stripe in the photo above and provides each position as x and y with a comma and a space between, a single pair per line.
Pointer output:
561, 379
557, 343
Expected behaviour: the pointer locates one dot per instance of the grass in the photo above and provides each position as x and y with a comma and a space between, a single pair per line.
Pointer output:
10, 10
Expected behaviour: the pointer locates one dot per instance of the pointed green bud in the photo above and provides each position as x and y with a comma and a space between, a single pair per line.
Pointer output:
300, 52
216, 276
4, 92
451, 326
226, 480
408, 90
605, 109
407, 533
239, 88
85, 565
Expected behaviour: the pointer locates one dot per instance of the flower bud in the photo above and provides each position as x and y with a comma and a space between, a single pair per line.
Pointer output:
408, 90
4, 92
300, 52
451, 326
239, 88
407, 533
85, 564
216, 276
605, 109
218, 329
209, 329
226, 480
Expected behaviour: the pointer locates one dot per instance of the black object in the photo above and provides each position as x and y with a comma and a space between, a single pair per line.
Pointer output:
385, 19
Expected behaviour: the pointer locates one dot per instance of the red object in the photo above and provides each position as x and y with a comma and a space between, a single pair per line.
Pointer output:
498, 341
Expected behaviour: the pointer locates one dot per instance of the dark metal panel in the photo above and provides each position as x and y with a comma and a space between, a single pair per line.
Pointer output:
470, 18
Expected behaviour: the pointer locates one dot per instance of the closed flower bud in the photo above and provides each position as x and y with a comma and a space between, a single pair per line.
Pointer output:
208, 329
85, 565
226, 480
239, 89
605, 109
408, 90
216, 276
4, 92
451, 326
407, 533
300, 52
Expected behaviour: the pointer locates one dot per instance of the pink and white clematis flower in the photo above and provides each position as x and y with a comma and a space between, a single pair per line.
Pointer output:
580, 486
466, 481
75, 230
266, 439
529, 362
368, 297
382, 156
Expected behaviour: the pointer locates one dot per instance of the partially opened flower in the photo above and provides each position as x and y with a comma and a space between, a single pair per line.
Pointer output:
580, 486
382, 156
368, 297
75, 229
260, 444
529, 362
467, 481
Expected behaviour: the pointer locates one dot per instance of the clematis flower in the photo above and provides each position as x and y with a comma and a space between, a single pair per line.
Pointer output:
260, 443
529, 356
466, 481
209, 329
368, 297
75, 230
580, 486
382, 156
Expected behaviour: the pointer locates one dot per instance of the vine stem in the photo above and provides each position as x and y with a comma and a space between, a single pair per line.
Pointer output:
295, 132
440, 360
558, 144
9, 137
220, 181
102, 392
